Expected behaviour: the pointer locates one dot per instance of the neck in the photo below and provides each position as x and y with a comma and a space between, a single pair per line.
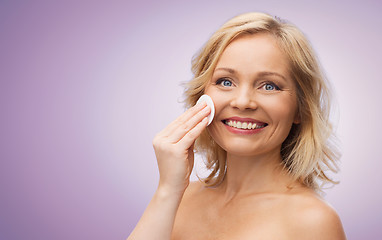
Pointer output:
257, 174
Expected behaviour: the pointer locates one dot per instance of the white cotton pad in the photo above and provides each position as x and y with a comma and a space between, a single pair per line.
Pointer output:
210, 103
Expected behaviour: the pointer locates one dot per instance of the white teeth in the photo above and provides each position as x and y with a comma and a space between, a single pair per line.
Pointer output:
242, 125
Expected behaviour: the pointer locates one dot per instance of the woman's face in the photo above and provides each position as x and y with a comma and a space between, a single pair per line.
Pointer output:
254, 97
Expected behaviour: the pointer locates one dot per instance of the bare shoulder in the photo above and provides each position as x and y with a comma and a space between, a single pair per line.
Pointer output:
313, 218
185, 220
193, 191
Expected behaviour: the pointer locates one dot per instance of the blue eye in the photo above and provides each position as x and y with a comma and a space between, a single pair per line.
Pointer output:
224, 82
270, 87
227, 83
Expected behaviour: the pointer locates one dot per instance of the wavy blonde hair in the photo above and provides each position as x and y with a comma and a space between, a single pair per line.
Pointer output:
308, 151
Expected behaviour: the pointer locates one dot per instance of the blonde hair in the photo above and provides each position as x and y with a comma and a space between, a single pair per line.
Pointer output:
308, 151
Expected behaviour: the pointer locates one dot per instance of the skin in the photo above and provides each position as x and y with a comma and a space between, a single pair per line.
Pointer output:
257, 199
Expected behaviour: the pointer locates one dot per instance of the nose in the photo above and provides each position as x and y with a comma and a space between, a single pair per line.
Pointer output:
244, 99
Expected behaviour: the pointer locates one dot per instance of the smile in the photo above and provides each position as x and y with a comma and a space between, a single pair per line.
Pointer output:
244, 125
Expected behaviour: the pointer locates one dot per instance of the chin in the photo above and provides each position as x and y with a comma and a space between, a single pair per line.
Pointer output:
241, 148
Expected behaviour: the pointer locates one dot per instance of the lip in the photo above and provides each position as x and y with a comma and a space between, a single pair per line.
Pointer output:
243, 131
235, 118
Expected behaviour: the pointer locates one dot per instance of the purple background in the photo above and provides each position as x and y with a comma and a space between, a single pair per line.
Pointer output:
84, 87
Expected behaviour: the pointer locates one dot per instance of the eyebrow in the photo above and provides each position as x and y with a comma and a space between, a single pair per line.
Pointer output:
230, 70
261, 74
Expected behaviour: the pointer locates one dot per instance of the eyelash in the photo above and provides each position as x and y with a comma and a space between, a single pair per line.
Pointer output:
221, 80
272, 84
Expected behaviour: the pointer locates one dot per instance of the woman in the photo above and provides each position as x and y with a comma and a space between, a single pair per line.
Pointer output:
267, 147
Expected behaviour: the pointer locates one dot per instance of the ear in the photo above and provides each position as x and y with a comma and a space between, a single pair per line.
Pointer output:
297, 118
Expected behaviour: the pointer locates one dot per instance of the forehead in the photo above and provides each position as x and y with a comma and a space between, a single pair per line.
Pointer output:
255, 53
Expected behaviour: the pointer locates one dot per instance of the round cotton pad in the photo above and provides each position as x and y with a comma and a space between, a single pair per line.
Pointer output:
210, 103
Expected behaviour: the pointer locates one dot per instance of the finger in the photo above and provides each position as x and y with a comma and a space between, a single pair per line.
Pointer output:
189, 139
179, 121
188, 125
192, 111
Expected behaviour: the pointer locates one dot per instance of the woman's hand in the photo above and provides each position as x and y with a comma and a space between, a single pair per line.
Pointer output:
174, 151
174, 147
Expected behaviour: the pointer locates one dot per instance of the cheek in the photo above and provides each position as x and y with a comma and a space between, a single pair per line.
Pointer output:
282, 108
218, 98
